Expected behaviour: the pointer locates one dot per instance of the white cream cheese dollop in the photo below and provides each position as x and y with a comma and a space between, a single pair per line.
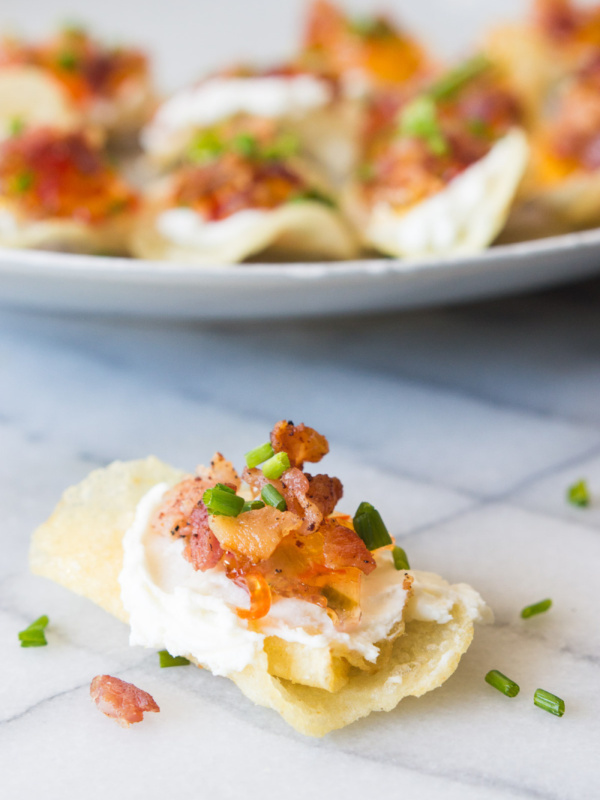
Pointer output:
192, 613
217, 99
186, 228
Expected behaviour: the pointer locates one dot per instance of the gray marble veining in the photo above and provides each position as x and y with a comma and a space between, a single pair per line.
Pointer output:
464, 426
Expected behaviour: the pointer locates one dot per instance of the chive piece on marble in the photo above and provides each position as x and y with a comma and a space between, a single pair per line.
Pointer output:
536, 608
549, 702
579, 494
167, 660
502, 683
33, 635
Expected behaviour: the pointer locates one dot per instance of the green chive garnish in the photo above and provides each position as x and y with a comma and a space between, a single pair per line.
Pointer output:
246, 145
370, 27
285, 146
579, 494
22, 182
549, 702
370, 527
206, 146
167, 660
67, 61
400, 558
252, 505
502, 683
459, 77
259, 454
313, 196
419, 119
536, 608
224, 488
33, 636
222, 501
276, 466
272, 497
16, 126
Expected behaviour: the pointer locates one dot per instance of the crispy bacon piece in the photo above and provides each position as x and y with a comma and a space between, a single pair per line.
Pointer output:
343, 548
300, 442
202, 550
120, 700
220, 471
558, 19
324, 492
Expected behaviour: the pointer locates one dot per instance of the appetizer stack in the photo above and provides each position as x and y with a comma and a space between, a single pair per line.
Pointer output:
361, 142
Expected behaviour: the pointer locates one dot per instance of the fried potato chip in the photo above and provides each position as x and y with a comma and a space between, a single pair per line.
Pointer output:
315, 690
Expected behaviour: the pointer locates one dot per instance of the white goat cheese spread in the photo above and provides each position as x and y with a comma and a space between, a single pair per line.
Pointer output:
192, 613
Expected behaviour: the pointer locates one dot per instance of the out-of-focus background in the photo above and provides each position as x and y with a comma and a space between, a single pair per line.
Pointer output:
189, 36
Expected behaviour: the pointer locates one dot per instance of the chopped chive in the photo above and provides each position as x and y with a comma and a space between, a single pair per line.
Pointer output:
536, 608
246, 145
419, 119
67, 61
370, 27
579, 494
224, 488
206, 146
458, 77
313, 196
283, 147
272, 497
22, 182
252, 505
167, 660
16, 126
370, 527
400, 558
276, 466
259, 454
222, 502
33, 635
549, 702
502, 683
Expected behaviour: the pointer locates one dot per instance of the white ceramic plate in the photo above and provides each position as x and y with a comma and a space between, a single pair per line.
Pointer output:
188, 38
64, 282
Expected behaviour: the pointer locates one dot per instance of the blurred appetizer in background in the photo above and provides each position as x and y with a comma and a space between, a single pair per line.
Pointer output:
256, 577
243, 191
364, 53
58, 191
72, 80
441, 168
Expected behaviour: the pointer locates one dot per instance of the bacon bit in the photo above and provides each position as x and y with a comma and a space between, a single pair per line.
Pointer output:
300, 442
172, 515
558, 19
260, 597
220, 471
47, 173
343, 548
324, 492
120, 700
203, 550
255, 534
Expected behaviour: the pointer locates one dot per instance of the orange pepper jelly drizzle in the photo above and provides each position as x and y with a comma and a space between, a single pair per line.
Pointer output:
50, 174
384, 53
85, 68
233, 183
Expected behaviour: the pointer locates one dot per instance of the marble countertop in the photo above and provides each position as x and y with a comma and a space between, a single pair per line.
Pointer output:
463, 426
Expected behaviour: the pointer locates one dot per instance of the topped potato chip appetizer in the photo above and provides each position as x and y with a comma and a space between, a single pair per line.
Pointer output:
257, 577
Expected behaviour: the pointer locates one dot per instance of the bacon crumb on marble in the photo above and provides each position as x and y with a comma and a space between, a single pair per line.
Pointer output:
121, 700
